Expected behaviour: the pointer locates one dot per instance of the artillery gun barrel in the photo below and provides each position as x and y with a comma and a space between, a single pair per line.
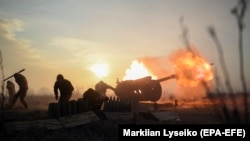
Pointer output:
112, 88
142, 89
167, 78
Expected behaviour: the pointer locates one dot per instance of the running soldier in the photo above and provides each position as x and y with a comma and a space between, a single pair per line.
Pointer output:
22, 92
65, 87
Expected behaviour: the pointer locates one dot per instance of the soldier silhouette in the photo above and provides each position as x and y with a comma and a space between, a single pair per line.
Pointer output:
22, 92
65, 87
11, 90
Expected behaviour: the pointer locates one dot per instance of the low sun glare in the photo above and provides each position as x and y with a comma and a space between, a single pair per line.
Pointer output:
100, 69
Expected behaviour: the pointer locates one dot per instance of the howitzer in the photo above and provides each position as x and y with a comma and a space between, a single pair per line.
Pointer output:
143, 89
13, 74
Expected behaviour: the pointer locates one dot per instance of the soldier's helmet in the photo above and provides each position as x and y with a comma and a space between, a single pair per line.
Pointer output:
59, 77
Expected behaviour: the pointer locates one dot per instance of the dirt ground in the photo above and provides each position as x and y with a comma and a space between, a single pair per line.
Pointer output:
106, 129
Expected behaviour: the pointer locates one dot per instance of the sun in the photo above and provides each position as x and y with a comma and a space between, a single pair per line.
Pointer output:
100, 69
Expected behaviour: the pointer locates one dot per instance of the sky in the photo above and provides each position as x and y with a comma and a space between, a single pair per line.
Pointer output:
47, 37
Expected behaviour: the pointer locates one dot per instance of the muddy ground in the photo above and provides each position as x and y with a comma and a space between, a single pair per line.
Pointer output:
106, 129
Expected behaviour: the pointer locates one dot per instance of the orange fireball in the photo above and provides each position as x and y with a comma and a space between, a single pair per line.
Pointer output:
191, 68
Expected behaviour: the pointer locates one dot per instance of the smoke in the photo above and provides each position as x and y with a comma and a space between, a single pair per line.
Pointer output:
191, 69
159, 66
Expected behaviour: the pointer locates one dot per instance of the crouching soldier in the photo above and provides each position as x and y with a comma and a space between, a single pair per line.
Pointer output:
94, 98
102, 87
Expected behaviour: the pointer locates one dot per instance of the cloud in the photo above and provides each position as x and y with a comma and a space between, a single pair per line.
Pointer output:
17, 51
9, 27
11, 45
78, 51
74, 44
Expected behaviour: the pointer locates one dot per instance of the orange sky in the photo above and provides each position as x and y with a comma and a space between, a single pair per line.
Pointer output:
47, 38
